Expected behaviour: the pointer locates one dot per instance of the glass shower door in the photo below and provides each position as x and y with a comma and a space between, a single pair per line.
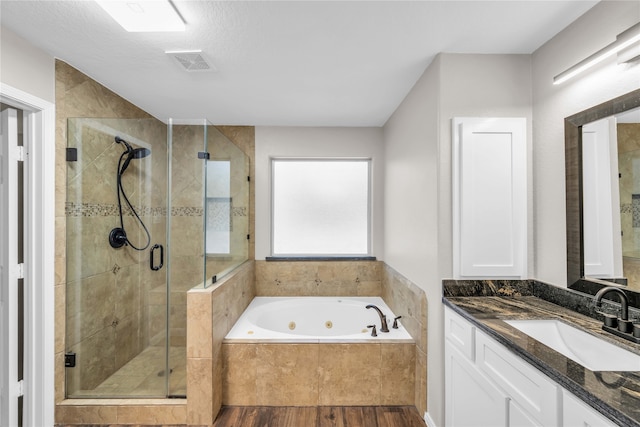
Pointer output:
116, 291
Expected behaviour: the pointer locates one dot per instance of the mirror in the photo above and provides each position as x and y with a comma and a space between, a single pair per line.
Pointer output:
592, 254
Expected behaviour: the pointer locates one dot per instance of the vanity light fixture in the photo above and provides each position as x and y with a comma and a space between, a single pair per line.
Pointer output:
624, 41
144, 15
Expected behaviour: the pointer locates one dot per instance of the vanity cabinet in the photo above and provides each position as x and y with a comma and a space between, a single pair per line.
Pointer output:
488, 385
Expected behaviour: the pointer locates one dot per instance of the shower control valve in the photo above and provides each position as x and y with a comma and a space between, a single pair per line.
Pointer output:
117, 238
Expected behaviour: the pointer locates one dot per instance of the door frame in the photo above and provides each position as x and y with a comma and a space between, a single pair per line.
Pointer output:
39, 255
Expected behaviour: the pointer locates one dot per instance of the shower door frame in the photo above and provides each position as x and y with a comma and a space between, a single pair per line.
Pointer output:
39, 226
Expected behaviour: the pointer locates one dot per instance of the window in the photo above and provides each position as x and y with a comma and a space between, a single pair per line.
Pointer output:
321, 207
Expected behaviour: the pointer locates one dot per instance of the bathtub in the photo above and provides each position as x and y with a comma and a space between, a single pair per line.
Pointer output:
314, 320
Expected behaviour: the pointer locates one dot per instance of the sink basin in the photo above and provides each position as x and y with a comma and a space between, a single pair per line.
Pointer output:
588, 350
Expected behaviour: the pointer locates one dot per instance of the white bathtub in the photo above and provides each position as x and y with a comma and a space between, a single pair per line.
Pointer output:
314, 319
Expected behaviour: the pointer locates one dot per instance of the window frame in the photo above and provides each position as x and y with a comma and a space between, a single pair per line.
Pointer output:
325, 256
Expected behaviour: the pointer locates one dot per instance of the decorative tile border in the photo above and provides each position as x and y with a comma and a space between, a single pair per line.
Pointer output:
72, 209
95, 209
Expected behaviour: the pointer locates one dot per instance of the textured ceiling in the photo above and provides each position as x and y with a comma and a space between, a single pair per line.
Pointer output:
293, 63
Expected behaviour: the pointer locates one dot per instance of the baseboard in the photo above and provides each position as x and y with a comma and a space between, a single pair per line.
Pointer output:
428, 420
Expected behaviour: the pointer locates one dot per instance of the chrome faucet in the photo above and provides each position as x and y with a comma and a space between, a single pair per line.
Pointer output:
383, 318
624, 325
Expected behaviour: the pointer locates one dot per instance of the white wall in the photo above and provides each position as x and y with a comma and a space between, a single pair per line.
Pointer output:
552, 103
316, 142
418, 228
480, 86
411, 212
25, 67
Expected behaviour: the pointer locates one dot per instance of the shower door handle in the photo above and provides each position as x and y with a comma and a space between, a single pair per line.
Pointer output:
151, 258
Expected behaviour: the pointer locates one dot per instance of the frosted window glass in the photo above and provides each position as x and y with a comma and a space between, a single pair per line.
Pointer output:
320, 207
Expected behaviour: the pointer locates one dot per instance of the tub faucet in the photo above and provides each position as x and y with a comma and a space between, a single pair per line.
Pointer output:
624, 325
383, 318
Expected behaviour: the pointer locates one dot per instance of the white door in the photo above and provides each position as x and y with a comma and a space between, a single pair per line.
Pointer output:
10, 387
600, 199
36, 289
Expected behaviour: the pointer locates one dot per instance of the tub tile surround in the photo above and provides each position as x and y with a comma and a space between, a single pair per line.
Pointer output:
318, 278
485, 302
318, 374
405, 298
355, 278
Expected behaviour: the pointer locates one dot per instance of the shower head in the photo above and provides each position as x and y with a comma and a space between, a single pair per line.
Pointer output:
140, 153
137, 153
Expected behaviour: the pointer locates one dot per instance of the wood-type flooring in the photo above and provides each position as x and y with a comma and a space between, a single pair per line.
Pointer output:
321, 416
289, 416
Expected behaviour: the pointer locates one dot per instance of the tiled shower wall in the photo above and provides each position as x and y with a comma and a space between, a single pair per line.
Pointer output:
628, 160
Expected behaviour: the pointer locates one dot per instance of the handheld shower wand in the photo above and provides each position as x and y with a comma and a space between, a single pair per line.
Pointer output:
118, 236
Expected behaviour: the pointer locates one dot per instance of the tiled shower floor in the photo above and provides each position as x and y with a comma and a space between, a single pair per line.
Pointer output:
144, 376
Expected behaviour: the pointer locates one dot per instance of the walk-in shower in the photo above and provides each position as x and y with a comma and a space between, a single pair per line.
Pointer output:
133, 186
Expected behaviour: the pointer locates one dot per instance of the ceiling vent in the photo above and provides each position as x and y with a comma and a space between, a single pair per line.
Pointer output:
191, 60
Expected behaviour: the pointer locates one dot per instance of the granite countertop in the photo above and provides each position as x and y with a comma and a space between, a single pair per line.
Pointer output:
614, 394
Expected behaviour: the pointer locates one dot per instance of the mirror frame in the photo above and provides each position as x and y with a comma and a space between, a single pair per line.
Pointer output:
573, 176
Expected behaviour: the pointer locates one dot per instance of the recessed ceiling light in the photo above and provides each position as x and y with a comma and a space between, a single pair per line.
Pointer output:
144, 15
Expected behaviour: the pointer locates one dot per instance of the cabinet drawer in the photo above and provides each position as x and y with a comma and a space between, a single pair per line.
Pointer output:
531, 389
576, 413
460, 333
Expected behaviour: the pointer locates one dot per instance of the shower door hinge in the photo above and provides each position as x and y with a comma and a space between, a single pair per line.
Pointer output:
203, 155
69, 360
20, 153
20, 388
20, 271
72, 154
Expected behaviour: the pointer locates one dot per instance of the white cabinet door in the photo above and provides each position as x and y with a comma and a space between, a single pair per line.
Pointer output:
533, 391
518, 417
489, 197
471, 400
578, 414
